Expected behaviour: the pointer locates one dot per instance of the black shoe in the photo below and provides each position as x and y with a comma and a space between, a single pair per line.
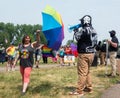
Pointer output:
109, 75
86, 89
37, 67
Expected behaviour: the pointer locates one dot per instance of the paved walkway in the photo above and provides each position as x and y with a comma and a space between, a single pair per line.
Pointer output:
112, 92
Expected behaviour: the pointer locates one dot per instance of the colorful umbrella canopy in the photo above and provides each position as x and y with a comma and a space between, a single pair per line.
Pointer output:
53, 28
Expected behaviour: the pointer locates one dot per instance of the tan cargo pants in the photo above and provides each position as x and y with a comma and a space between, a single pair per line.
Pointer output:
113, 62
83, 68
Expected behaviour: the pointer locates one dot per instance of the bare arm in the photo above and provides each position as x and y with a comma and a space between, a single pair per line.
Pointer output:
41, 45
36, 45
112, 43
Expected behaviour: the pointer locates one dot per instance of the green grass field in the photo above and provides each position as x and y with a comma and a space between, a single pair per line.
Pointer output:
53, 82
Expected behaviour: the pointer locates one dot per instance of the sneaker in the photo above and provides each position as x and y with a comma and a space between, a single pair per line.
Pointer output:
111, 75
76, 93
37, 67
86, 89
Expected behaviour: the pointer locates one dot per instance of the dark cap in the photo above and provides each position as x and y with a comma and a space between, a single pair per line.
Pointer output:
112, 31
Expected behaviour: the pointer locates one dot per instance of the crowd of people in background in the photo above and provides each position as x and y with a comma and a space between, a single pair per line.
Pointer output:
41, 55
101, 52
108, 49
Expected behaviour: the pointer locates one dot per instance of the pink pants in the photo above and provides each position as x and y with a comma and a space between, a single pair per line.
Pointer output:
25, 72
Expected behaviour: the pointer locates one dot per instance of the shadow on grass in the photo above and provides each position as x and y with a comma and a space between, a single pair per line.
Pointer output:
43, 87
101, 75
47, 88
69, 88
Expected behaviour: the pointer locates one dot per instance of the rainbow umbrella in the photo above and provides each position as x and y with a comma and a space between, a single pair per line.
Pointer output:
53, 28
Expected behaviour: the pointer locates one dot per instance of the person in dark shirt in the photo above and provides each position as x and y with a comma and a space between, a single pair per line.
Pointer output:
38, 55
103, 53
113, 47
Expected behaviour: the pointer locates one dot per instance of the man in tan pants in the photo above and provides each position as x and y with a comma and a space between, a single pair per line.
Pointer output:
84, 77
86, 41
113, 47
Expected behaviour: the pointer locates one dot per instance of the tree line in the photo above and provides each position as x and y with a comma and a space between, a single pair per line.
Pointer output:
10, 33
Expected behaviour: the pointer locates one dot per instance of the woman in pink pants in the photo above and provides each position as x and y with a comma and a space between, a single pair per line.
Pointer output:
26, 51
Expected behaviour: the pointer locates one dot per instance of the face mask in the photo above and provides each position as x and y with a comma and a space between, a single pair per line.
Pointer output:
86, 20
112, 35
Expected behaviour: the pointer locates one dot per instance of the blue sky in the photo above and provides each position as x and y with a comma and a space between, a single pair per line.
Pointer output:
105, 13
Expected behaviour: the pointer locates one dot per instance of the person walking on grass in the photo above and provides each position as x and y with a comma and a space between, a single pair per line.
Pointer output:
11, 54
38, 52
113, 47
38, 56
26, 51
86, 42
61, 54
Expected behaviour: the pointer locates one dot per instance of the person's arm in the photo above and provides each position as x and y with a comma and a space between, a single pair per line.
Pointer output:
40, 47
34, 44
112, 43
16, 59
17, 56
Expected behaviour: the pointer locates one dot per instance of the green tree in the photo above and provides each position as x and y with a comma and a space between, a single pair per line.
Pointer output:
9, 28
15, 33
4, 39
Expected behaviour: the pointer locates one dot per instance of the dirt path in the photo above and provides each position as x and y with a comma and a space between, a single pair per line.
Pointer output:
3, 69
112, 92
